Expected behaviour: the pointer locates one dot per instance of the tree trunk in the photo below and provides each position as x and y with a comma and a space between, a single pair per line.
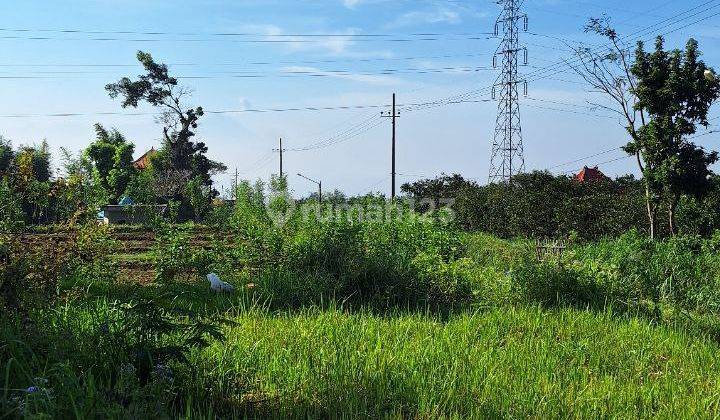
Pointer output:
651, 210
671, 214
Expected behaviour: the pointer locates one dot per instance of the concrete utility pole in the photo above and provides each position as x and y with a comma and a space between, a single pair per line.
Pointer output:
281, 150
394, 115
507, 157
318, 183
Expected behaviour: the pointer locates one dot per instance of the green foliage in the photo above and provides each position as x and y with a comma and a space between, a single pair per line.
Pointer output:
179, 258
31, 270
112, 158
673, 91
663, 96
200, 197
78, 196
174, 256
11, 215
7, 156
538, 205
141, 187
156, 335
415, 295
179, 153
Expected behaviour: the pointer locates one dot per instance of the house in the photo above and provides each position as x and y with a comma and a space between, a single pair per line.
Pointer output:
590, 175
143, 162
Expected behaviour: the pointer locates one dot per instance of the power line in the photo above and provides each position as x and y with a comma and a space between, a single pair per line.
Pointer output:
216, 112
266, 39
226, 111
52, 75
234, 34
570, 111
346, 135
605, 152
252, 63
563, 64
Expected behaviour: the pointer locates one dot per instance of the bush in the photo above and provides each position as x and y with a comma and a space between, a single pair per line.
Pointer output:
31, 270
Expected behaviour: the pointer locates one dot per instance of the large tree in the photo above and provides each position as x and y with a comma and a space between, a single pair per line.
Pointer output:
662, 96
179, 154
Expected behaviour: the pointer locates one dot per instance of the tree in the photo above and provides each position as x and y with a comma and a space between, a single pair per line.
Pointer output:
30, 175
112, 158
179, 153
6, 156
436, 190
78, 195
662, 96
676, 94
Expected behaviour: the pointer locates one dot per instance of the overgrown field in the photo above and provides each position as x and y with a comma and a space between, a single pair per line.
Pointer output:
399, 317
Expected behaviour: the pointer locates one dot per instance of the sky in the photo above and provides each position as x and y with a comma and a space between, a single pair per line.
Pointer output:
284, 56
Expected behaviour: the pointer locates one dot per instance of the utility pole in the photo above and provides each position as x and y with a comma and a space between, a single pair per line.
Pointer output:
507, 157
394, 115
235, 186
281, 150
318, 183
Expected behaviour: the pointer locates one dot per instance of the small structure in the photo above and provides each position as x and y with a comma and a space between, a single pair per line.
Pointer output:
132, 214
143, 162
590, 175
549, 250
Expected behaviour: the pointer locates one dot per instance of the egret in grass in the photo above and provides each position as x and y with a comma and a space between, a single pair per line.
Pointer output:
218, 285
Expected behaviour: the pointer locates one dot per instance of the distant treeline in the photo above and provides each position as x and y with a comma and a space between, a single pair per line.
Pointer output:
539, 204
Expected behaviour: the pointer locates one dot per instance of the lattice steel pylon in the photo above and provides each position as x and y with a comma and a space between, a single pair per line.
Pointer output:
507, 157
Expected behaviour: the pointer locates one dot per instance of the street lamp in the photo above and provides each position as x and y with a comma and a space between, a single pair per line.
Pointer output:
319, 184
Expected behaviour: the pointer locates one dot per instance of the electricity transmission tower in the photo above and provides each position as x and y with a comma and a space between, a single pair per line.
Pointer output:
507, 157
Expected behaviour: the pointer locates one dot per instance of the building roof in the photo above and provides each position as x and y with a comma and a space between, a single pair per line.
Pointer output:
590, 175
143, 162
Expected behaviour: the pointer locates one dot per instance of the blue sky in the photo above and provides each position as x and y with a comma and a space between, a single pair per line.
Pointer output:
342, 63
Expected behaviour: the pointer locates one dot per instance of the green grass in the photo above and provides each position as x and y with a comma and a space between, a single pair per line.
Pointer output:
503, 363
616, 329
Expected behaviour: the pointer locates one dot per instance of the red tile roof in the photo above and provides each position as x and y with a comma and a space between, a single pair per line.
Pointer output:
143, 162
590, 175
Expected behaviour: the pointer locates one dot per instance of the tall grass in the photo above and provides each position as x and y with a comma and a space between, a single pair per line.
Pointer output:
507, 362
503, 363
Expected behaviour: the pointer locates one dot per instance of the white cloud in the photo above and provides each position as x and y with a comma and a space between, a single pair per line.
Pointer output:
350, 4
426, 17
337, 42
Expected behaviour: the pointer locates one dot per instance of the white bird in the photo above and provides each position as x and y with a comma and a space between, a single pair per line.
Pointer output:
218, 285
710, 75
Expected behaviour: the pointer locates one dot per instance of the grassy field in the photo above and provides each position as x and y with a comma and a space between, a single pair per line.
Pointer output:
400, 320
501, 363
504, 363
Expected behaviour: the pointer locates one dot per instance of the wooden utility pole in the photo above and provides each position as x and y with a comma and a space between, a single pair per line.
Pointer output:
394, 115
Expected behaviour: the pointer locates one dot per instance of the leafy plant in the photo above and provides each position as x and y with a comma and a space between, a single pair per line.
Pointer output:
156, 334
